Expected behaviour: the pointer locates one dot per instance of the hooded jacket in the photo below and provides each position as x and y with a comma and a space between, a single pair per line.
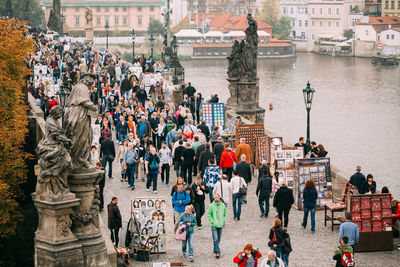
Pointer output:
283, 198
216, 214
338, 254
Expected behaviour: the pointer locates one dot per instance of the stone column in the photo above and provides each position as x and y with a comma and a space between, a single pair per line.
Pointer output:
89, 34
85, 218
248, 101
55, 244
232, 101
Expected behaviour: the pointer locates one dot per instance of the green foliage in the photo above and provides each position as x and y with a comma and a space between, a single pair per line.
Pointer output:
155, 27
35, 12
281, 27
348, 33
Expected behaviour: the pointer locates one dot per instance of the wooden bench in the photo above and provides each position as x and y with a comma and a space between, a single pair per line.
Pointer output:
331, 217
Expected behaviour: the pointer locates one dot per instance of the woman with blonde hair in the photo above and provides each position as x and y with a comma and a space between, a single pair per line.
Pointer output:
187, 132
248, 257
189, 219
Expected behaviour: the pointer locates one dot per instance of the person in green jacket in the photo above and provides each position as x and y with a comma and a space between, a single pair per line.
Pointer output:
343, 248
216, 215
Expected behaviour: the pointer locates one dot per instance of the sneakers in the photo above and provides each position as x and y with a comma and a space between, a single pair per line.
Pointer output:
199, 228
262, 215
162, 182
133, 188
191, 259
218, 255
142, 179
147, 189
184, 255
155, 192
167, 185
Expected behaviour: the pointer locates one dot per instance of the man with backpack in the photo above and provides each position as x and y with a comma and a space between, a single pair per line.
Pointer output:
153, 167
344, 254
180, 199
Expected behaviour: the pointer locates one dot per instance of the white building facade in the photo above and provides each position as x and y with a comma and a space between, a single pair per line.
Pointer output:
297, 10
179, 11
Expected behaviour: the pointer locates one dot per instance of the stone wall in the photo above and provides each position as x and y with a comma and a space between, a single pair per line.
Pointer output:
339, 177
366, 49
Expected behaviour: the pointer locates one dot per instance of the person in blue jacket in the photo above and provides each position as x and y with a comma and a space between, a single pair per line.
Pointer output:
310, 196
180, 199
189, 220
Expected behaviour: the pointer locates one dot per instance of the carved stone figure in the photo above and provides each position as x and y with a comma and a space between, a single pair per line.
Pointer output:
54, 158
78, 128
89, 16
234, 64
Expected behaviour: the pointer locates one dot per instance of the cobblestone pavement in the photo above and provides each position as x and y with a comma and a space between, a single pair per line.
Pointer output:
308, 249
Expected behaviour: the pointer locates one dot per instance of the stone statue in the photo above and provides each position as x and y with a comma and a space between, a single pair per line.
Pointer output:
78, 127
251, 31
234, 63
89, 16
54, 158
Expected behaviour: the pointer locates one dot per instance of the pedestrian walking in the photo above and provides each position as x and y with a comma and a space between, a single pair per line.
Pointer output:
141, 151
218, 148
216, 215
204, 156
244, 170
283, 201
129, 160
349, 229
287, 247
200, 190
237, 183
177, 155
107, 154
153, 167
189, 220
248, 257
166, 161
188, 158
212, 175
224, 189
102, 184
243, 149
276, 237
272, 260
120, 155
310, 196
228, 161
114, 220
174, 188
263, 192
344, 254
180, 199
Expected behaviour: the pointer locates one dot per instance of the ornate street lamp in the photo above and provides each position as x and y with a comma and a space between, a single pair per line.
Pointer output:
133, 36
152, 39
175, 55
308, 94
62, 99
107, 27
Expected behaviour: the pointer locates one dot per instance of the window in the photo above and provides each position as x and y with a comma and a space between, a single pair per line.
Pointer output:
124, 21
151, 9
392, 36
139, 21
366, 32
284, 10
337, 11
76, 20
300, 23
106, 9
303, 35
306, 23
139, 9
329, 24
116, 9
337, 23
306, 10
313, 10
300, 10
392, 5
313, 23
329, 11
98, 9
387, 4
76, 9
98, 21
63, 9
320, 11
294, 23
320, 23
291, 10
387, 36
124, 9
313, 36
116, 21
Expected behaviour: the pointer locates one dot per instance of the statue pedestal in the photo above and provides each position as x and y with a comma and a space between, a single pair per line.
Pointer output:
85, 218
232, 101
89, 34
55, 244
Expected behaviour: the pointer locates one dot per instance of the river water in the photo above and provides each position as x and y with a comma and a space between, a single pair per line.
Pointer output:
355, 112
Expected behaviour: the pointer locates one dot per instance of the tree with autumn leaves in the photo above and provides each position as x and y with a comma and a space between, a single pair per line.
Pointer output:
14, 48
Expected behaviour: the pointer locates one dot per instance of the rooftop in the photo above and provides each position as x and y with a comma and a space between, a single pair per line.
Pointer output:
375, 21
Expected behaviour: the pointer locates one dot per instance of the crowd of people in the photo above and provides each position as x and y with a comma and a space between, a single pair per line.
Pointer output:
144, 132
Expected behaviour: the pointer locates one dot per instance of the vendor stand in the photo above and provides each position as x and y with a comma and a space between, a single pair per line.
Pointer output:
250, 132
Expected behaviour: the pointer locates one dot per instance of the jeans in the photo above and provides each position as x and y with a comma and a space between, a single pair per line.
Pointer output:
187, 173
105, 160
127, 95
277, 249
237, 197
122, 137
285, 259
178, 168
216, 236
189, 239
114, 235
165, 168
261, 199
152, 178
211, 194
200, 210
130, 171
305, 218
285, 214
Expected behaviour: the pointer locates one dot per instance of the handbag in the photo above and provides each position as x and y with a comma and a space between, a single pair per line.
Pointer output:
242, 190
234, 163
143, 255
181, 232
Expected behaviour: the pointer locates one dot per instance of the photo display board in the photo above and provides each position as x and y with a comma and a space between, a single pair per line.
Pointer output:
250, 132
213, 114
265, 148
371, 212
317, 169
284, 163
150, 214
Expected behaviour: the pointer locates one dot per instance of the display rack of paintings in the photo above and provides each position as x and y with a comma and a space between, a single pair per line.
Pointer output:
213, 114
318, 170
230, 131
250, 132
150, 216
265, 148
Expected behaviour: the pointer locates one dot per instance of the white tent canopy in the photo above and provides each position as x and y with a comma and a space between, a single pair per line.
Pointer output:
235, 34
339, 38
263, 34
188, 34
213, 34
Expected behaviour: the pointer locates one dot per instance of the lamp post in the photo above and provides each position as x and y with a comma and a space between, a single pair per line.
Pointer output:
151, 39
133, 36
308, 94
62, 96
107, 27
175, 56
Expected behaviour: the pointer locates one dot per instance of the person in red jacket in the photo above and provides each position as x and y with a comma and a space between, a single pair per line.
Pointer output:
248, 257
53, 102
228, 160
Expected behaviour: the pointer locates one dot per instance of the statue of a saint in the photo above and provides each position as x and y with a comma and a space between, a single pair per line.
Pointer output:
234, 65
78, 121
89, 16
54, 158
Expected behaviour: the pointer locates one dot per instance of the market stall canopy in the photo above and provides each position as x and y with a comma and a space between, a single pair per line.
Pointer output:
213, 34
263, 34
188, 33
343, 44
326, 36
235, 34
339, 38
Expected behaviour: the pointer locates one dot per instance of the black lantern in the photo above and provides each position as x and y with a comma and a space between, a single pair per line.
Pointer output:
308, 94
133, 36
152, 40
107, 27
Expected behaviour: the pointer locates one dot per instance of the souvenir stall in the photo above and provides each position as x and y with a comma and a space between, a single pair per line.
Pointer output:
150, 79
317, 169
265, 149
250, 132
213, 114
373, 215
284, 160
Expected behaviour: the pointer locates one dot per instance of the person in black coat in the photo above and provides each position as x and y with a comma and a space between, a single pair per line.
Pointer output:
358, 179
264, 168
244, 170
205, 155
114, 220
200, 190
204, 129
369, 186
218, 149
263, 191
283, 201
107, 154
